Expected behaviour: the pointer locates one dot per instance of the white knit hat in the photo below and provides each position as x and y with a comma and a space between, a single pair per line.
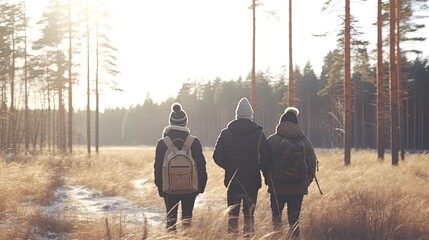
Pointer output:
244, 109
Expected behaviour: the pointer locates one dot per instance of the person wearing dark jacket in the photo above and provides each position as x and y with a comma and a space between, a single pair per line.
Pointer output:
291, 194
177, 130
242, 150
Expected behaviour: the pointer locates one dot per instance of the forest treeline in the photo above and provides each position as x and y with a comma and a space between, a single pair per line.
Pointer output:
211, 105
40, 64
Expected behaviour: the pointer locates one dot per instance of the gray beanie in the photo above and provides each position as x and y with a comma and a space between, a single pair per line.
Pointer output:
177, 115
244, 109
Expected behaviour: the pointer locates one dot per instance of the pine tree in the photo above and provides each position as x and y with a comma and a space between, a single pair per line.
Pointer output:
106, 57
54, 27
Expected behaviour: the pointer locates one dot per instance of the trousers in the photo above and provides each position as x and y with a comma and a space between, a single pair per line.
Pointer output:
294, 204
234, 200
172, 202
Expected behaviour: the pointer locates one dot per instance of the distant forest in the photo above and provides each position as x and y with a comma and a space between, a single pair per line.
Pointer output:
38, 73
210, 106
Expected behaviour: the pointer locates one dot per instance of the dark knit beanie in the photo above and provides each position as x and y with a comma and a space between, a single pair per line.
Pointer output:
177, 115
290, 115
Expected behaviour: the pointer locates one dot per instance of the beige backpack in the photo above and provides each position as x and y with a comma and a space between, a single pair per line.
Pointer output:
179, 171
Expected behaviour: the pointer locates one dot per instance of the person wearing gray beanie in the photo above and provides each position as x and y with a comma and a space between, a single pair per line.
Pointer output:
242, 150
244, 109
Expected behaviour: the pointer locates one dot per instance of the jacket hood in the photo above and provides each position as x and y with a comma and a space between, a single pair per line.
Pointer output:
242, 126
289, 129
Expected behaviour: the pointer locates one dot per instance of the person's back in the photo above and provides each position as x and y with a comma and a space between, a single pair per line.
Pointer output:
284, 189
291, 130
243, 152
177, 133
238, 154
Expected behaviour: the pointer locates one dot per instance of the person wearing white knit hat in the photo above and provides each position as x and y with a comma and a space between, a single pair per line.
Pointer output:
287, 181
290, 115
242, 150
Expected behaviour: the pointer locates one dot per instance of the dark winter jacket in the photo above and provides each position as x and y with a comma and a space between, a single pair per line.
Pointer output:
236, 151
290, 129
197, 154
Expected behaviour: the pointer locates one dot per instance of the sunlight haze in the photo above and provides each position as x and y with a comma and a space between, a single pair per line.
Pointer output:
178, 41
164, 43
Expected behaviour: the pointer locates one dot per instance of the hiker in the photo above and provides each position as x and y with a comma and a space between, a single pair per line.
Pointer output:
292, 170
174, 186
242, 150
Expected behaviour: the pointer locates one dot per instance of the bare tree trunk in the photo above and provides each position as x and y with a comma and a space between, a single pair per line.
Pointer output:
61, 127
49, 115
253, 98
26, 125
97, 102
380, 80
290, 95
70, 113
54, 130
407, 116
60, 120
3, 121
400, 92
42, 129
88, 92
393, 85
347, 88
12, 120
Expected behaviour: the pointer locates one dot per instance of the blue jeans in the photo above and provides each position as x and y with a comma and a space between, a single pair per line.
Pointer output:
293, 203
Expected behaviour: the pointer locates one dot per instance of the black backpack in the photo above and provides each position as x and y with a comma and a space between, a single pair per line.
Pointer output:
291, 165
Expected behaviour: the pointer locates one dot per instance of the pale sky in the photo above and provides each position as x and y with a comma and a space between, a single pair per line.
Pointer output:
178, 41
164, 43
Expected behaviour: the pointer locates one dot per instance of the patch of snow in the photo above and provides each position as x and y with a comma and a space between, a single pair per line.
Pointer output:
77, 201
200, 202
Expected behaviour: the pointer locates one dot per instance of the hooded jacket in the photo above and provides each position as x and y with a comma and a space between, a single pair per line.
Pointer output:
237, 152
197, 154
290, 129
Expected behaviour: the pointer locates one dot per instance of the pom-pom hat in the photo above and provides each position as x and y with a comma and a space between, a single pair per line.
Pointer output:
178, 116
290, 115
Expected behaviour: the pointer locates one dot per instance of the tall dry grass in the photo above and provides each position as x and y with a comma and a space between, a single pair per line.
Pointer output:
369, 199
25, 185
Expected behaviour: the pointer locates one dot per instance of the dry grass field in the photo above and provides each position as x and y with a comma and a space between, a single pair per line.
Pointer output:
370, 199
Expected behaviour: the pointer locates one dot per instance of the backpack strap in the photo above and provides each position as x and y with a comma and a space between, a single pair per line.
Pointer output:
188, 142
168, 142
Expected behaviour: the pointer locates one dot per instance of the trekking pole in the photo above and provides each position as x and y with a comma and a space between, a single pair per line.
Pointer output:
318, 186
315, 178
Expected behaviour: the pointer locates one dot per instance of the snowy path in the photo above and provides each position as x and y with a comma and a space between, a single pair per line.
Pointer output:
78, 201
